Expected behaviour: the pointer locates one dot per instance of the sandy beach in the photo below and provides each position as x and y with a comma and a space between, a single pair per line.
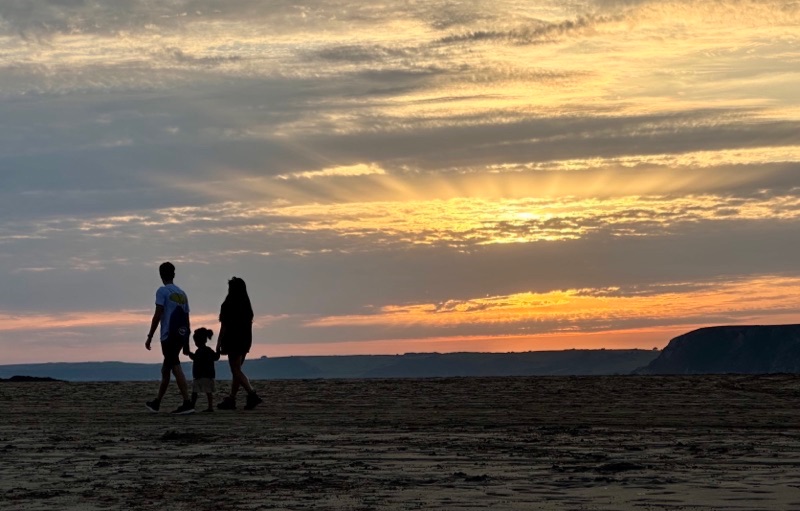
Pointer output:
567, 443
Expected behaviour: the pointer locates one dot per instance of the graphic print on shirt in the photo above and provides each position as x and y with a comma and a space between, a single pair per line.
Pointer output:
179, 319
175, 319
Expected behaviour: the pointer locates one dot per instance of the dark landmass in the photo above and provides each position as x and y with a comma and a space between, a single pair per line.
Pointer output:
24, 379
764, 349
413, 365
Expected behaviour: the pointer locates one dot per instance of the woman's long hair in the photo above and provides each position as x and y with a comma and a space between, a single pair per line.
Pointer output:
237, 303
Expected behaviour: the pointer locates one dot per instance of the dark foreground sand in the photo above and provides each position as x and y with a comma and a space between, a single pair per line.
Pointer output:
610, 443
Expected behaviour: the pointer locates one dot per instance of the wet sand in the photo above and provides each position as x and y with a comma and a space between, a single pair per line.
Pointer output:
566, 443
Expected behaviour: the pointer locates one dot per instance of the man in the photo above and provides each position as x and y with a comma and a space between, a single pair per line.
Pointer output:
172, 311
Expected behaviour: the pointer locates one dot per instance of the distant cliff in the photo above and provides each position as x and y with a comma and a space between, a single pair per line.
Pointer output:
27, 379
411, 365
731, 349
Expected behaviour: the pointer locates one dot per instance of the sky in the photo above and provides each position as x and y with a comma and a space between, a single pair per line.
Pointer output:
396, 177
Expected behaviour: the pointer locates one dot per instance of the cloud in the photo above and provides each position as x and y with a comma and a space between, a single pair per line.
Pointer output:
178, 55
587, 309
44, 321
542, 33
34, 269
341, 171
361, 53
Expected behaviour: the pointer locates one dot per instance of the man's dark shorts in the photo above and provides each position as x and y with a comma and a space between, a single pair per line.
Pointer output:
171, 349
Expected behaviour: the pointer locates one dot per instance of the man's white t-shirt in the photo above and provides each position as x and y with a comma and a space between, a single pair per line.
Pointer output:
170, 296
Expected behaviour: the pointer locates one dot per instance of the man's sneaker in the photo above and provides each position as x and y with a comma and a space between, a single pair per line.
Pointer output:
227, 404
252, 401
153, 405
186, 408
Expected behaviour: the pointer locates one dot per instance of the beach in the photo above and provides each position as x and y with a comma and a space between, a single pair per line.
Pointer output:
566, 443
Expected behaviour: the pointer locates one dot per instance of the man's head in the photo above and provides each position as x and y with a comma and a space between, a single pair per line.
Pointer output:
167, 272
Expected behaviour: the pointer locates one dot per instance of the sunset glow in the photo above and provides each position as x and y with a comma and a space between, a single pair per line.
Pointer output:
398, 178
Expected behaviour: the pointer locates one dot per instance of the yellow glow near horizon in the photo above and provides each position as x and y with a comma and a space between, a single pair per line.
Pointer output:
483, 221
462, 220
691, 174
577, 318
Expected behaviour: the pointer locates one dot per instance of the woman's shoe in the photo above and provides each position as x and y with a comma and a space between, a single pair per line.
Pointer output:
228, 403
252, 401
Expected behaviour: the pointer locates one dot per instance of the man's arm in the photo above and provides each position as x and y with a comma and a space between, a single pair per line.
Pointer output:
154, 324
186, 348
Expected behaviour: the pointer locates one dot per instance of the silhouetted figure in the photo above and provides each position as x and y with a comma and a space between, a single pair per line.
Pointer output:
203, 373
235, 339
172, 311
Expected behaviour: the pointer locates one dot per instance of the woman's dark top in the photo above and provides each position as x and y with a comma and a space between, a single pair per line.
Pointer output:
237, 325
204, 359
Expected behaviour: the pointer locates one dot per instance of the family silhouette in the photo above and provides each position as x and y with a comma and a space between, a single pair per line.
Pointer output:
235, 340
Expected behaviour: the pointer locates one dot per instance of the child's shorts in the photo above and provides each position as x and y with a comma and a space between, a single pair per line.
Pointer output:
203, 386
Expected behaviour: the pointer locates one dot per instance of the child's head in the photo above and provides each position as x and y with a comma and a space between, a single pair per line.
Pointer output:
201, 336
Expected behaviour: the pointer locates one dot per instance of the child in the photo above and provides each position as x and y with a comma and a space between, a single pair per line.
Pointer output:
203, 367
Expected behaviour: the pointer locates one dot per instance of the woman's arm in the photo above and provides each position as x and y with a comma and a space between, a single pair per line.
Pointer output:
219, 338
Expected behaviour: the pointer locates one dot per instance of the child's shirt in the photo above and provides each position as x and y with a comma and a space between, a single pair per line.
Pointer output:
204, 359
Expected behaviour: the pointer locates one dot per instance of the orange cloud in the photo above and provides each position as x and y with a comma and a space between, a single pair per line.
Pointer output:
583, 309
42, 321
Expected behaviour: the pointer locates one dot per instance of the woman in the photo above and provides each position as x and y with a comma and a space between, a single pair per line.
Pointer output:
235, 339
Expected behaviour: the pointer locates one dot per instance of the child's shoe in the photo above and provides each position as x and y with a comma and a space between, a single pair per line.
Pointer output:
153, 405
227, 404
